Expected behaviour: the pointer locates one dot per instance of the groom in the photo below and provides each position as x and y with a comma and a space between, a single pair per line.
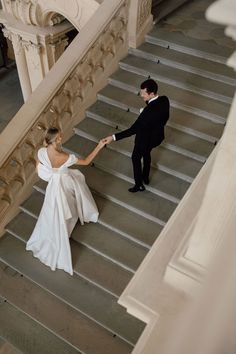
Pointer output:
148, 130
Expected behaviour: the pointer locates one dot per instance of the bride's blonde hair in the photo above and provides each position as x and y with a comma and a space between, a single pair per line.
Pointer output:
50, 135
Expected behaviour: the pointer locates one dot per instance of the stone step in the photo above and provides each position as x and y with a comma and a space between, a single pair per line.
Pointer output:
86, 256
179, 78
175, 140
147, 204
129, 224
166, 160
7, 348
207, 49
180, 120
188, 101
186, 62
120, 165
62, 319
82, 295
162, 8
111, 245
28, 335
101, 240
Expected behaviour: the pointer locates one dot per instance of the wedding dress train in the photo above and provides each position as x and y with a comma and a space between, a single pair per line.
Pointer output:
67, 198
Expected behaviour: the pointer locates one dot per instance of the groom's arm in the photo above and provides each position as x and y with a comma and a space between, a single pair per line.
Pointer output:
127, 132
123, 134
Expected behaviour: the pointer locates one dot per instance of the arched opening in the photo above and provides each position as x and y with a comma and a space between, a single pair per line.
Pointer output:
41, 33
24, 63
59, 33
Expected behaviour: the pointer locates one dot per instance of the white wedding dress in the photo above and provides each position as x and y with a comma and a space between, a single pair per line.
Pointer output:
67, 198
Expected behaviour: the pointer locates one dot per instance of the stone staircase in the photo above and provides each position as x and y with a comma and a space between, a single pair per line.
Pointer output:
51, 312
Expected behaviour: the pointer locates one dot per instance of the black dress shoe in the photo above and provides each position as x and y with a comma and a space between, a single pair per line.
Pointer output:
135, 189
146, 181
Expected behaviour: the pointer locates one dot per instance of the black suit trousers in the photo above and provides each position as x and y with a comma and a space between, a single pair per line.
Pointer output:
141, 173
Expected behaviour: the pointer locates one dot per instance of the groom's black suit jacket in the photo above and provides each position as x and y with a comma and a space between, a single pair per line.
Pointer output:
149, 126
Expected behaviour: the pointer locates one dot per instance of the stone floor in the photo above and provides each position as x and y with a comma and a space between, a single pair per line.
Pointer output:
190, 20
11, 97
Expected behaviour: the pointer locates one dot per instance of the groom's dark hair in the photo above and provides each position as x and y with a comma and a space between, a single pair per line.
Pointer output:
150, 85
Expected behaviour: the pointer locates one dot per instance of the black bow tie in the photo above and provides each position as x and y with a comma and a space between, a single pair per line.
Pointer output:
146, 102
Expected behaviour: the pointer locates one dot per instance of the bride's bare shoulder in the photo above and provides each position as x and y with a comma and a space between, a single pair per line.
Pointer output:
64, 156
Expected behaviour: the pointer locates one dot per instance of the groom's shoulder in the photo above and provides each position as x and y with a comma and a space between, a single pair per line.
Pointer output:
163, 99
163, 102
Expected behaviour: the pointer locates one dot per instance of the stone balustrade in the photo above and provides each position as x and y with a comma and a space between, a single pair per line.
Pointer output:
64, 94
61, 99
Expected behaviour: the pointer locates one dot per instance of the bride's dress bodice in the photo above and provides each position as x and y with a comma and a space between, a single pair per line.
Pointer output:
45, 169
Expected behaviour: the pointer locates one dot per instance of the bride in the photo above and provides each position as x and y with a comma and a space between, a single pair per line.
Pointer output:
67, 198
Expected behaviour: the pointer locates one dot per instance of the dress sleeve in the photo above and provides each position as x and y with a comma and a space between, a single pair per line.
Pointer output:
71, 160
40, 155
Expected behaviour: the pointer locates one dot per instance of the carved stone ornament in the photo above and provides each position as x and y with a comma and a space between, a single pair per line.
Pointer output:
27, 11
7, 33
51, 12
62, 5
143, 12
31, 12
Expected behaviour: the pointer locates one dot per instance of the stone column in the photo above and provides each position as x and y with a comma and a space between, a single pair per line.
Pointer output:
21, 63
34, 63
36, 48
56, 48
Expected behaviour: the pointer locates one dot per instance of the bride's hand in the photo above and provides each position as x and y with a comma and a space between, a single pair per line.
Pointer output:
102, 142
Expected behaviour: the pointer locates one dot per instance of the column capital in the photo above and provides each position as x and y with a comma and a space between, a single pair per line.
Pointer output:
30, 45
7, 33
17, 42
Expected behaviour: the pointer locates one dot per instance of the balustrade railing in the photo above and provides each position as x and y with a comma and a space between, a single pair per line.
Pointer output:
61, 99
64, 94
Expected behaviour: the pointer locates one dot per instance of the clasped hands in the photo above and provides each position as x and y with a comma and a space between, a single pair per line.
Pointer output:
106, 140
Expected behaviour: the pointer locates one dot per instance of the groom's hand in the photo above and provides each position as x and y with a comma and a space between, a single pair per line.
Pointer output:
108, 139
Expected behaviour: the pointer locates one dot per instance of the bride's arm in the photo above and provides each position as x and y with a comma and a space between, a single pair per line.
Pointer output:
91, 156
